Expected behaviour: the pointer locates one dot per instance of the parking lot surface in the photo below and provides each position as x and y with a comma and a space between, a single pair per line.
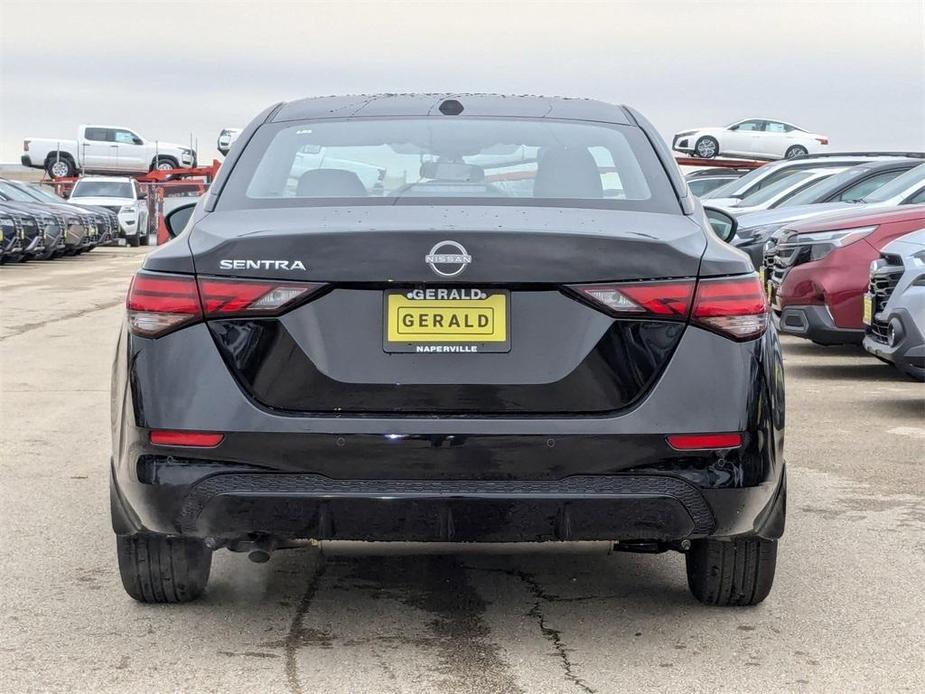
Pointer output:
847, 612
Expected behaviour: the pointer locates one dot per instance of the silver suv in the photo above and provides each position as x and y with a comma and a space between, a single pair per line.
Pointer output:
894, 306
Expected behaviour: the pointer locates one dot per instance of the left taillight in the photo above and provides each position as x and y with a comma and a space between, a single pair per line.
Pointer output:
160, 303
157, 304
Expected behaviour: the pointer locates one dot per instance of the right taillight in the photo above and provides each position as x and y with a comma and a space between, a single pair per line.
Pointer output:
160, 303
735, 307
732, 306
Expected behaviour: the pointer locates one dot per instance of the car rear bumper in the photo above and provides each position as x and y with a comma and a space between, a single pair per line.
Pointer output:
225, 504
815, 323
467, 478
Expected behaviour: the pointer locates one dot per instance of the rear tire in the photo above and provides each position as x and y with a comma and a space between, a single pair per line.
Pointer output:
731, 572
61, 167
706, 148
163, 569
795, 151
164, 164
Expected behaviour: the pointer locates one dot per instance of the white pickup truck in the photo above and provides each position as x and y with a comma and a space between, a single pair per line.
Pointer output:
104, 149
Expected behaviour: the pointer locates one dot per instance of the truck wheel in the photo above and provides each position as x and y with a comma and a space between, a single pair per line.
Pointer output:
164, 164
132, 240
60, 168
163, 569
731, 572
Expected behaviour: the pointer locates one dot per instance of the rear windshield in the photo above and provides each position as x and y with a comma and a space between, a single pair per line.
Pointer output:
471, 161
102, 189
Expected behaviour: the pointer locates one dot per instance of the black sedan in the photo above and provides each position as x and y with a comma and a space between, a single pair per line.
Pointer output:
448, 318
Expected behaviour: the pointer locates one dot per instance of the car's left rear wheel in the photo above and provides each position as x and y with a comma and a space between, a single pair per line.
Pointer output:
735, 572
163, 569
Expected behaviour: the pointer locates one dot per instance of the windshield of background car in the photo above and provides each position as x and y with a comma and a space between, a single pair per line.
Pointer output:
898, 185
11, 192
770, 192
43, 195
102, 189
468, 161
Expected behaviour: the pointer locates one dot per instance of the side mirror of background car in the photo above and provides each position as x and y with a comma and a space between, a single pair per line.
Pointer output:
177, 219
723, 223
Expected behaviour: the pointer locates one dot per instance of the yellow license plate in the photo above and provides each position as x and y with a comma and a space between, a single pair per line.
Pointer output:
458, 320
868, 309
761, 277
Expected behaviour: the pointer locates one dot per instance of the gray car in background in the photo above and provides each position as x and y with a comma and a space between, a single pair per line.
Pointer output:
894, 306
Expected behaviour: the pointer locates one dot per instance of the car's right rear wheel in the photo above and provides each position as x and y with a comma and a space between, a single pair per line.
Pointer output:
731, 572
163, 569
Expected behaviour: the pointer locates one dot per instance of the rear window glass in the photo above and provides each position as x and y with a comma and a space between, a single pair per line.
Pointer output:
513, 161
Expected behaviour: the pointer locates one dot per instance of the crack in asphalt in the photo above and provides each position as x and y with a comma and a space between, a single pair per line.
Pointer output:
28, 327
295, 637
554, 636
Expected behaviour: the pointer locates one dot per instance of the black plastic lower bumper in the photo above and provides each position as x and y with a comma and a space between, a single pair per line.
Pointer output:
658, 507
816, 324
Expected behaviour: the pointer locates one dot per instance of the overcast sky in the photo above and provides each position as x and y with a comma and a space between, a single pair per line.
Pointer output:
852, 70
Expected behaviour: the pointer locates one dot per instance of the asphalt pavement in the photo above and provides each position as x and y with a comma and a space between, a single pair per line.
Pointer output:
847, 612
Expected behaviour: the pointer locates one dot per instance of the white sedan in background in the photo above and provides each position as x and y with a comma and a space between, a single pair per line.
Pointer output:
755, 138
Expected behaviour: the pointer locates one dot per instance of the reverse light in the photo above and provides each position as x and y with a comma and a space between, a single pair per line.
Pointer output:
190, 439
670, 299
159, 303
703, 442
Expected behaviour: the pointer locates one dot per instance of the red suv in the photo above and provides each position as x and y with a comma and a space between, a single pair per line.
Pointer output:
817, 273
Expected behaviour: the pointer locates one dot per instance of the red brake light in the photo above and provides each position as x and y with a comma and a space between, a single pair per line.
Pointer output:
822, 140
158, 303
670, 299
700, 442
733, 306
193, 439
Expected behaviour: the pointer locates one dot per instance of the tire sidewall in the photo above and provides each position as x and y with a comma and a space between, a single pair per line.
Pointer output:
795, 151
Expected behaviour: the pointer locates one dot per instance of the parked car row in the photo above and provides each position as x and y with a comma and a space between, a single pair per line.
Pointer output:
38, 225
838, 243
836, 278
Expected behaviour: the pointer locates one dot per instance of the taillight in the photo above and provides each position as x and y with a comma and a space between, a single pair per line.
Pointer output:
224, 298
25, 145
732, 306
822, 140
735, 306
670, 299
159, 303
